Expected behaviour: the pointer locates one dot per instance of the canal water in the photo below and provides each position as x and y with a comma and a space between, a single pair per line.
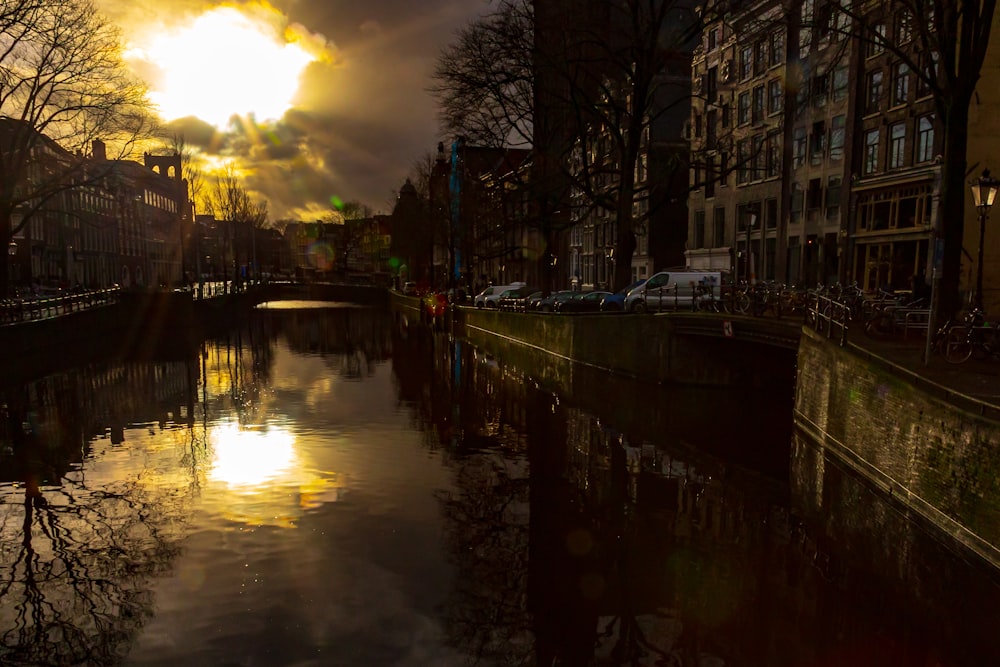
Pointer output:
324, 484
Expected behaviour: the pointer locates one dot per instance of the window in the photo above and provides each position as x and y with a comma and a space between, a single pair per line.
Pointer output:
798, 199
873, 91
904, 27
758, 104
712, 85
710, 176
760, 57
929, 73
759, 158
900, 84
805, 33
814, 197
711, 120
837, 138
876, 39
699, 229
743, 113
833, 197
840, 83
820, 86
799, 146
746, 62
771, 213
817, 148
713, 39
743, 161
723, 168
925, 139
697, 126
726, 113
774, 96
897, 145
719, 226
871, 151
773, 150
777, 48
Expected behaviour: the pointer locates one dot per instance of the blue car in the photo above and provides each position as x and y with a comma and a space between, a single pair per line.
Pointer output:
616, 302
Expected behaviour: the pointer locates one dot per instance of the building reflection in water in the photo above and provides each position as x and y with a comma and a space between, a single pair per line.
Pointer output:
626, 524
588, 532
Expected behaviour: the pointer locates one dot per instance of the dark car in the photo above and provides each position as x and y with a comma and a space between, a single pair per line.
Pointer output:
616, 302
547, 305
510, 299
584, 302
528, 302
532, 301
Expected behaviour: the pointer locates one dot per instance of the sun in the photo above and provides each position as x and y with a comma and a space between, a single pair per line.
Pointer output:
224, 63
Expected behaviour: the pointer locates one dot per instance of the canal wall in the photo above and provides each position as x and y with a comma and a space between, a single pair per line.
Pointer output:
673, 348
936, 456
932, 453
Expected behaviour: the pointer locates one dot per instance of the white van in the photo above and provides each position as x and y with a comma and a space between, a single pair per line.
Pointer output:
488, 297
670, 290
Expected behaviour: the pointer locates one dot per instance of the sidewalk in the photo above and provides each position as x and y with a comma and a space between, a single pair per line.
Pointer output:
977, 379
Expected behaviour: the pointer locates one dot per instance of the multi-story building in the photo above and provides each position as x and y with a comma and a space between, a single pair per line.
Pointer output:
101, 222
816, 151
896, 162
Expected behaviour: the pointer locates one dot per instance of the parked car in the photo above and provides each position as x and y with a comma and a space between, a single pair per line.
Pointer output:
583, 302
616, 302
457, 296
671, 289
529, 302
510, 299
488, 297
410, 288
547, 305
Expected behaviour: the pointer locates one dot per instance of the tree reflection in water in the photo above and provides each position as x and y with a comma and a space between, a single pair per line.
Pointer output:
578, 544
77, 559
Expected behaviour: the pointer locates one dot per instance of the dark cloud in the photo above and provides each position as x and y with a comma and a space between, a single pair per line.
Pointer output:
361, 119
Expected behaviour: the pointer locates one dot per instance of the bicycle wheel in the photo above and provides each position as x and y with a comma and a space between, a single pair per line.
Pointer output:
957, 345
880, 326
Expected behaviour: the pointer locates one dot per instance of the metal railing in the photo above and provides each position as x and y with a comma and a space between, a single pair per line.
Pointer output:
28, 308
825, 314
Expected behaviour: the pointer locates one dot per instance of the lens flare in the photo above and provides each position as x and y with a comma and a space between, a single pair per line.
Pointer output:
321, 255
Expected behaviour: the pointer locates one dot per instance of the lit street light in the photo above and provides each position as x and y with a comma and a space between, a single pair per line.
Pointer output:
984, 191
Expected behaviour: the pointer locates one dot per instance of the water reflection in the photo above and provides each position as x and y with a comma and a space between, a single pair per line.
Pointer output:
638, 538
323, 486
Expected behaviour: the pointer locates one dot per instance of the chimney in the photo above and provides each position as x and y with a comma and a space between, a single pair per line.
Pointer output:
99, 151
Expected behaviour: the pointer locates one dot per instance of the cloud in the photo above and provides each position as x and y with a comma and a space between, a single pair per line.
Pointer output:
361, 115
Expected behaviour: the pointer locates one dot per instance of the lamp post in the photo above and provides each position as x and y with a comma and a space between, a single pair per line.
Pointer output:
751, 223
12, 252
984, 191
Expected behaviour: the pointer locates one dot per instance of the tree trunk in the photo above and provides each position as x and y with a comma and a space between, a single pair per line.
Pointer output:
951, 220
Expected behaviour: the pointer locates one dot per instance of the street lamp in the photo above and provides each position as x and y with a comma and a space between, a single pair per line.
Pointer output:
751, 223
984, 191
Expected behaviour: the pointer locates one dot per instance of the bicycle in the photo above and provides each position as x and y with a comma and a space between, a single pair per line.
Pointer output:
975, 336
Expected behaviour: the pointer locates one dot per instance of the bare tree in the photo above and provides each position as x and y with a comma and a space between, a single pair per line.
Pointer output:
62, 85
483, 81
230, 202
946, 53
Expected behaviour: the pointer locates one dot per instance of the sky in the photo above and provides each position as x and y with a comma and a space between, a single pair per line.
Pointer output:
330, 96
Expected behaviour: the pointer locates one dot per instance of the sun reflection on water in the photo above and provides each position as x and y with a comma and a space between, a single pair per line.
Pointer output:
261, 477
245, 459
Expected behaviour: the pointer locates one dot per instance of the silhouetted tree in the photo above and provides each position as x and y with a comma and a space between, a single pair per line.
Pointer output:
62, 86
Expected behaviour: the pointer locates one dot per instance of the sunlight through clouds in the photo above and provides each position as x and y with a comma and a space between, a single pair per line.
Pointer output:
227, 61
